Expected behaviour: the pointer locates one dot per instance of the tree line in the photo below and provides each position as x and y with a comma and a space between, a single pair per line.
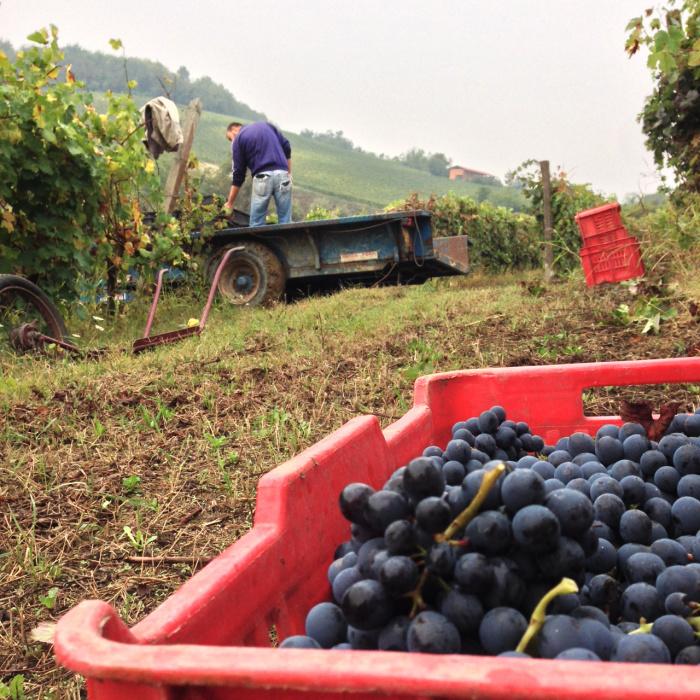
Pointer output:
102, 72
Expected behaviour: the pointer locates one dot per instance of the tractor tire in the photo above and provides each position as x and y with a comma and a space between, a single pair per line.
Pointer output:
21, 301
254, 276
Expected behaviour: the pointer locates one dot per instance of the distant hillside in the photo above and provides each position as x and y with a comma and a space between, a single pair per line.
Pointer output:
325, 173
354, 177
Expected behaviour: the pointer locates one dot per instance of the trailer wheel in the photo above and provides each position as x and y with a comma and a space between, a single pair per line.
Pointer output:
22, 302
252, 277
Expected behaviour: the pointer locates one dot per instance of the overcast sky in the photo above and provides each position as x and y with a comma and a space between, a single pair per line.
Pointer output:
488, 82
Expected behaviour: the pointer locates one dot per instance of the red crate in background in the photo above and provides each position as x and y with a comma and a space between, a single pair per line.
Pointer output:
211, 639
612, 262
615, 235
592, 222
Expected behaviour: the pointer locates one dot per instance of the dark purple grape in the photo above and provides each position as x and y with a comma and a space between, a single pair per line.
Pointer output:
544, 469
677, 604
606, 484
454, 472
473, 573
400, 537
588, 469
463, 610
573, 510
629, 429
674, 632
485, 442
536, 529
677, 579
622, 468
344, 580
686, 459
489, 532
553, 485
488, 422
441, 559
608, 509
501, 630
363, 639
659, 510
383, 508
609, 450
433, 633
422, 478
608, 430
393, 636
670, 551
299, 641
368, 553
566, 559
641, 600
399, 574
670, 443
689, 655
559, 457
635, 526
580, 485
433, 514
580, 443
520, 488
644, 567
353, 499
667, 478
633, 491
577, 654
567, 471
458, 450
604, 590
685, 513
650, 461
325, 623
366, 605
432, 451
635, 446
642, 648
471, 484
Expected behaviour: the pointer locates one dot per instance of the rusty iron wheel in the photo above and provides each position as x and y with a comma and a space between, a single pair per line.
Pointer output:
252, 277
25, 311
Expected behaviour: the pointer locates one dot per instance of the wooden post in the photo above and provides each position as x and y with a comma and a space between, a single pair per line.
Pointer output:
548, 224
177, 171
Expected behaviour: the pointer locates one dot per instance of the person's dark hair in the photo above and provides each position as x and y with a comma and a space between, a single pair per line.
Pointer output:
232, 124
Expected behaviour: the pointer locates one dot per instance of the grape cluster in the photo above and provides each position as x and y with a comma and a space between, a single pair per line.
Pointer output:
456, 550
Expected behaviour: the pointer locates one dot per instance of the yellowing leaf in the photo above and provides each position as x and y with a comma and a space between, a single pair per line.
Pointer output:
70, 78
53, 73
191, 323
132, 84
150, 166
116, 44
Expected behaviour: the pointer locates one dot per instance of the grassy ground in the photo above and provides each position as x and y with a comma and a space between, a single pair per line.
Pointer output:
159, 455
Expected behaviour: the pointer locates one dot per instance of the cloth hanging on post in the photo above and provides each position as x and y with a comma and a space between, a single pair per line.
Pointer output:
162, 121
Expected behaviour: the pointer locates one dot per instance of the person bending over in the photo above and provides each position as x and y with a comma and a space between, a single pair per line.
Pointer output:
263, 149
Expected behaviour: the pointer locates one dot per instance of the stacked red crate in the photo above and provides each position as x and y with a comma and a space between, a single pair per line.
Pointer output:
609, 253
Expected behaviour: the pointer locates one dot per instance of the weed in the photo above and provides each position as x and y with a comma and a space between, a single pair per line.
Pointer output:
156, 420
14, 690
138, 540
131, 484
49, 600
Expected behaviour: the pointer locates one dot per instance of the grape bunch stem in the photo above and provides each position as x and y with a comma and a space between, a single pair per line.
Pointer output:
564, 587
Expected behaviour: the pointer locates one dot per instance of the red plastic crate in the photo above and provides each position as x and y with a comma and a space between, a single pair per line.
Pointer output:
614, 262
599, 220
200, 643
616, 235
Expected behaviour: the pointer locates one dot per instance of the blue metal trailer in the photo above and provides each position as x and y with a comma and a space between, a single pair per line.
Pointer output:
380, 249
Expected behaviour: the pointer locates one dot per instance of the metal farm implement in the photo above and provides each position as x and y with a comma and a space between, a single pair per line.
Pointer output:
29, 321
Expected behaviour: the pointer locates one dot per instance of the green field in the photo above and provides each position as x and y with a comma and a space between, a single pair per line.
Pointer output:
357, 177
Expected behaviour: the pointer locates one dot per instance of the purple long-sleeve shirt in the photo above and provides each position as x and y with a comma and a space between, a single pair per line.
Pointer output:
259, 147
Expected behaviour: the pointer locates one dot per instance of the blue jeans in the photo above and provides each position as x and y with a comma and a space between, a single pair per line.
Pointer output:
266, 185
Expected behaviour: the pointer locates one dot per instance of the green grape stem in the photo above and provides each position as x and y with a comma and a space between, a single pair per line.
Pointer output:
564, 587
468, 514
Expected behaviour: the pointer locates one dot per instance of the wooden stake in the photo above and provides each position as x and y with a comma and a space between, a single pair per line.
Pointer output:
177, 171
548, 222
